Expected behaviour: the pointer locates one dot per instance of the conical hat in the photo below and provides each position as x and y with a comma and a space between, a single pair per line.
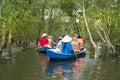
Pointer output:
67, 39
44, 35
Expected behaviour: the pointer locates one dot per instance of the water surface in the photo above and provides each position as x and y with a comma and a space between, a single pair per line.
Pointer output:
32, 66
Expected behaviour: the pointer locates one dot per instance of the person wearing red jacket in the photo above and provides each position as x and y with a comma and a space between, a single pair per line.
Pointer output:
43, 40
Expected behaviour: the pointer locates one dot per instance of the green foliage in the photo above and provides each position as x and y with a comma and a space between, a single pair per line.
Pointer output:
5, 55
68, 6
27, 17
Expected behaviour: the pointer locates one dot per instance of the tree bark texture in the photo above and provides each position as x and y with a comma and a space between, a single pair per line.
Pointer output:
97, 52
110, 47
2, 42
42, 21
9, 41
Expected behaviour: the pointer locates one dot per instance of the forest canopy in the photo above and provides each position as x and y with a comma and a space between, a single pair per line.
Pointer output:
25, 20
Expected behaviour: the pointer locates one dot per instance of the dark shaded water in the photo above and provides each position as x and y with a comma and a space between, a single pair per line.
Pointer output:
32, 66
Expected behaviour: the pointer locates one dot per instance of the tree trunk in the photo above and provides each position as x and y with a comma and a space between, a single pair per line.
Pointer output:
25, 43
42, 21
9, 41
111, 48
75, 26
2, 3
2, 43
97, 52
50, 22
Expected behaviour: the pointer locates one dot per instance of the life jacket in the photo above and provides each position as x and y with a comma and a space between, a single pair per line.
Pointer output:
81, 43
75, 45
50, 42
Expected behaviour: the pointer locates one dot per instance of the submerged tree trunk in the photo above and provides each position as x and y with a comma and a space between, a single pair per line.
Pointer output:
9, 41
97, 52
106, 40
2, 43
26, 43
111, 48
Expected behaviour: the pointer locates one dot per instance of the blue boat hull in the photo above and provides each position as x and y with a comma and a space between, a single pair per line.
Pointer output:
44, 49
52, 54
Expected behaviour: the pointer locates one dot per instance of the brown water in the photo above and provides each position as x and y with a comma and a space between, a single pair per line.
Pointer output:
32, 66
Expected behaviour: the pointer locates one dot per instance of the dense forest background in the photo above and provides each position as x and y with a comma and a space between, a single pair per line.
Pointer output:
24, 21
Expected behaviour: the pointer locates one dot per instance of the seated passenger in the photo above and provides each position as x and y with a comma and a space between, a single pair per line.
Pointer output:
84, 40
75, 37
81, 42
66, 45
50, 42
59, 45
43, 41
75, 45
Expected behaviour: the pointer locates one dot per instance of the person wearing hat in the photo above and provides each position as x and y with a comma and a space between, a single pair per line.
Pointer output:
66, 45
43, 40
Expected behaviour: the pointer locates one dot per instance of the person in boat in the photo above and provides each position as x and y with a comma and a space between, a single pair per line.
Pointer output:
78, 43
81, 43
66, 45
59, 45
75, 45
43, 41
75, 37
84, 39
51, 42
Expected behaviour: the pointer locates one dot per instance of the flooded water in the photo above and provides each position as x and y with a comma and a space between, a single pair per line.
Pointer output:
34, 66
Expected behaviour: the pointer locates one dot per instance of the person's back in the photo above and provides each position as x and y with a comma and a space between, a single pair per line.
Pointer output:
50, 44
59, 45
67, 48
75, 45
66, 45
80, 40
84, 40
43, 41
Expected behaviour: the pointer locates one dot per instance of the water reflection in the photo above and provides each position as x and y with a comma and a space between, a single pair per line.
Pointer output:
34, 67
80, 69
43, 61
65, 69
61, 70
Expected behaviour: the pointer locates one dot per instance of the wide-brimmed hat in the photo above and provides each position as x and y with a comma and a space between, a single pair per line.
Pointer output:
44, 35
67, 39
